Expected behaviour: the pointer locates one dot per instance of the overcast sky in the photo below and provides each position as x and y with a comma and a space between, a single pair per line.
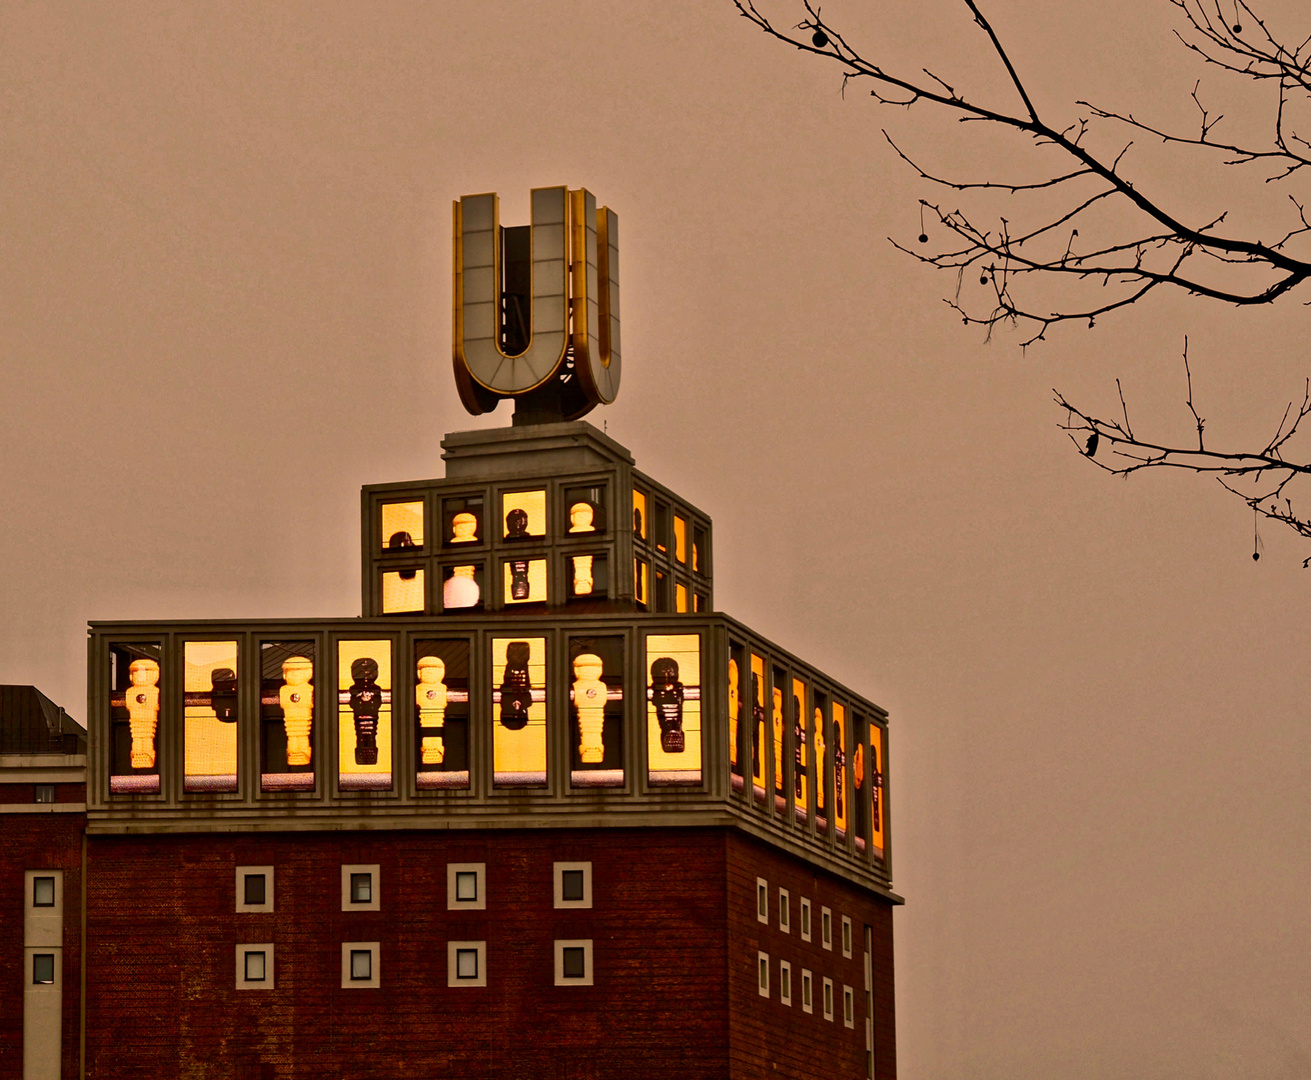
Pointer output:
225, 304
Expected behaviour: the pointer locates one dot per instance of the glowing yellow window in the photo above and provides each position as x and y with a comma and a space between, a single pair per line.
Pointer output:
680, 540
523, 514
402, 590
680, 602
402, 525
639, 514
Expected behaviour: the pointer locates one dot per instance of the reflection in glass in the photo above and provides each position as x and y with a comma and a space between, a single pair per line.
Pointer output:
462, 587
402, 590
680, 598
596, 721
286, 707
800, 781
759, 730
698, 548
441, 698
524, 581
134, 718
674, 708
524, 513
364, 685
402, 525
519, 727
660, 525
210, 715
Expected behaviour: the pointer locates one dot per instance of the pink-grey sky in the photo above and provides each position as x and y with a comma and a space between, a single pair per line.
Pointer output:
225, 305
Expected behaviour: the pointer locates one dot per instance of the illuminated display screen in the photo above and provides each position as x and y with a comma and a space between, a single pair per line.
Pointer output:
402, 525
462, 587
524, 581
441, 714
800, 751
876, 788
402, 590
680, 539
673, 711
209, 715
781, 764
519, 712
760, 729
859, 733
698, 548
286, 710
680, 598
736, 728
589, 577
838, 753
462, 521
524, 514
639, 514
642, 582
364, 715
134, 688
596, 713
585, 508
823, 761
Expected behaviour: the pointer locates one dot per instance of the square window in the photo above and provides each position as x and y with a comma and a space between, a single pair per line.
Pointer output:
43, 969
573, 963
807, 992
848, 1007
255, 966
785, 982
361, 887
255, 888
762, 965
573, 884
466, 886
805, 919
360, 965
466, 963
784, 915
43, 892
44, 793
846, 937
828, 999
762, 900
826, 928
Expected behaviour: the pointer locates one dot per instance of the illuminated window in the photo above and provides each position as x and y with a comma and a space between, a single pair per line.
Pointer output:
807, 992
287, 723
43, 968
360, 968
466, 963
466, 886
255, 966
441, 695
364, 715
826, 928
848, 1007
402, 525
805, 919
254, 888
524, 515
762, 900
762, 973
462, 521
523, 581
846, 937
737, 727
673, 710
639, 514
44, 793
680, 539
828, 999
641, 582
210, 715
573, 962
134, 696
43, 892
573, 884
360, 887
462, 587
585, 509
784, 915
589, 577
596, 712
402, 591
785, 982
680, 597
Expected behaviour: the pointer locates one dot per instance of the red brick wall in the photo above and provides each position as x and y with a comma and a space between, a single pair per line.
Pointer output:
37, 842
26, 793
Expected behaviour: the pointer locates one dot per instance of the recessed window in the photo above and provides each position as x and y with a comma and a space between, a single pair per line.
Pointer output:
846, 937
466, 886
805, 919
43, 892
784, 914
44, 793
573, 884
785, 982
826, 928
360, 965
466, 963
848, 1007
255, 966
762, 973
361, 884
828, 999
762, 900
573, 962
43, 969
254, 888
807, 992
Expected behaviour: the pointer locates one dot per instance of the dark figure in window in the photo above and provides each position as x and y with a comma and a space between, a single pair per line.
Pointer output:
223, 697
875, 790
667, 697
365, 701
839, 760
516, 530
400, 541
799, 740
637, 521
516, 687
757, 725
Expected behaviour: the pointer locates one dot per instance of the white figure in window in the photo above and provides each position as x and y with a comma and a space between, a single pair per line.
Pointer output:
142, 700
581, 517
460, 590
589, 700
296, 696
430, 696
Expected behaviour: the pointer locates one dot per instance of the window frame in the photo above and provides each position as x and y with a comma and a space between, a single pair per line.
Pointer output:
762, 974
266, 983
807, 991
54, 889
848, 1007
826, 928
828, 999
762, 901
479, 903
847, 937
269, 883
805, 919
375, 887
558, 871
453, 949
374, 981
785, 982
589, 975
784, 911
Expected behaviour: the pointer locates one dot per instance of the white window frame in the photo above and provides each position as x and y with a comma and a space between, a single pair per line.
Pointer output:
375, 967
762, 901
478, 904
587, 978
375, 886
242, 871
847, 937
807, 991
785, 982
805, 918
762, 974
784, 912
848, 1006
828, 998
826, 928
452, 952
558, 873
266, 947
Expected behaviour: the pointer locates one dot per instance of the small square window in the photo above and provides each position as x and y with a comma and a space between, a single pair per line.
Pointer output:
807, 992
44, 793
255, 888
466, 963
573, 963
784, 915
826, 928
361, 886
762, 900
762, 966
43, 969
785, 982
828, 999
255, 966
466, 886
848, 1007
360, 967
805, 919
43, 892
846, 937
573, 884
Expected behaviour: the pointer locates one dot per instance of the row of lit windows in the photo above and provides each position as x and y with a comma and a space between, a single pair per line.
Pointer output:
785, 918
686, 543
785, 989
